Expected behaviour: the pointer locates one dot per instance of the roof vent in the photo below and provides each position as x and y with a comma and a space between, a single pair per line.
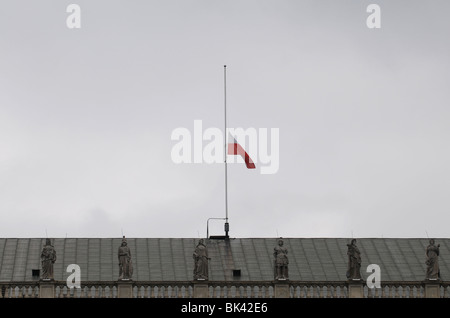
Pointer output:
35, 273
218, 237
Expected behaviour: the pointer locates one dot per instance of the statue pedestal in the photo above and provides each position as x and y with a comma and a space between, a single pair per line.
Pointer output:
201, 289
124, 289
281, 289
46, 289
355, 288
432, 288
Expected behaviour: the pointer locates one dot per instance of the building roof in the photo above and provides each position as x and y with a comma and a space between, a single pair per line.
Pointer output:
170, 259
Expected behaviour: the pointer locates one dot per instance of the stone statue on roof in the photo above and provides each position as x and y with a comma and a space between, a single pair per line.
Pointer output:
48, 258
125, 264
354, 261
432, 261
201, 261
281, 261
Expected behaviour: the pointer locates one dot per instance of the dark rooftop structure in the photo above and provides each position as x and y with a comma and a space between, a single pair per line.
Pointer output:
236, 259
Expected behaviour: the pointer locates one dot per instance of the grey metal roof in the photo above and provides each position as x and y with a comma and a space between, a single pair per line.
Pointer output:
170, 259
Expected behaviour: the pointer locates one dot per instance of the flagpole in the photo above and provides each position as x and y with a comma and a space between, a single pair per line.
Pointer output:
227, 225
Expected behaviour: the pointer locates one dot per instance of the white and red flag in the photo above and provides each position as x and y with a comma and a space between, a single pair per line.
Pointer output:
234, 148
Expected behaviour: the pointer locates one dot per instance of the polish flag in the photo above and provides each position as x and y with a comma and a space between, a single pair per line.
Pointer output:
235, 149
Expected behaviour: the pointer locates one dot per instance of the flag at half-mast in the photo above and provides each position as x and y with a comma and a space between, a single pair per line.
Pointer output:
234, 148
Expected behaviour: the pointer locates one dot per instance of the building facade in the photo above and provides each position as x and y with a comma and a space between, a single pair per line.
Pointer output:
236, 268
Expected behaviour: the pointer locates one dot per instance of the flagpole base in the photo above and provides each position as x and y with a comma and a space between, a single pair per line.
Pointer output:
227, 229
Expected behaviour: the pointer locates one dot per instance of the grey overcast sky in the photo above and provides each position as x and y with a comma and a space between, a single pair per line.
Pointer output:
86, 117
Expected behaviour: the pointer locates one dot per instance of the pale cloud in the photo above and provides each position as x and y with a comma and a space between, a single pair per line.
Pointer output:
86, 117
